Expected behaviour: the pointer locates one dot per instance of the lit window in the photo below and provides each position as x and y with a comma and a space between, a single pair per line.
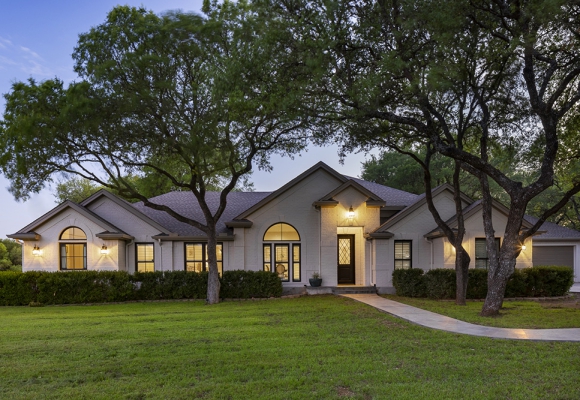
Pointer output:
73, 256
196, 259
145, 259
282, 258
403, 254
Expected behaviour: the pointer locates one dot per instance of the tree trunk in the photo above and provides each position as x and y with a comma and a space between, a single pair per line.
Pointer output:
213, 281
462, 260
496, 284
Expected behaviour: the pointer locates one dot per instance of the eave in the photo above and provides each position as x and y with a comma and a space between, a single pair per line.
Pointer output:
25, 236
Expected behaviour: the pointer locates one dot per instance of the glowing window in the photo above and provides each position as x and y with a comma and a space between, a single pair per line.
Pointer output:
73, 233
281, 232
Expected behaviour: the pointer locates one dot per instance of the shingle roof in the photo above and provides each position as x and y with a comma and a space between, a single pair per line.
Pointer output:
393, 197
186, 204
553, 231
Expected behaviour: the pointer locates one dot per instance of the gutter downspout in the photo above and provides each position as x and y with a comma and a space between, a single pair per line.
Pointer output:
160, 254
431, 243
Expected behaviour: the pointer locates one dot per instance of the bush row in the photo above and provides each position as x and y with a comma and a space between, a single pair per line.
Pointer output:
539, 281
17, 288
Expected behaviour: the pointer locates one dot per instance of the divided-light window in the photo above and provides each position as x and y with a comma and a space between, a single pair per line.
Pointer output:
282, 258
73, 256
145, 257
403, 254
196, 259
481, 257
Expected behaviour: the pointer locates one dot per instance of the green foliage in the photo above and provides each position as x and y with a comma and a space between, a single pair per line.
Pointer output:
10, 255
247, 284
409, 282
440, 283
75, 189
18, 289
539, 281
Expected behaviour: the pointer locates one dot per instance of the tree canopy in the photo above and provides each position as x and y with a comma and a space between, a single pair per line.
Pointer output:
194, 101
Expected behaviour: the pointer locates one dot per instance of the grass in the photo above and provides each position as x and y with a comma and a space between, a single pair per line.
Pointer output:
321, 347
514, 314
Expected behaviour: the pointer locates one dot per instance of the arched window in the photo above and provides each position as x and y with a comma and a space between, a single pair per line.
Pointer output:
73, 256
282, 258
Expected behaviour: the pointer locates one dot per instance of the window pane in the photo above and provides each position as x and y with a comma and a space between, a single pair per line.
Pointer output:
281, 231
344, 251
403, 254
145, 255
73, 233
296, 263
194, 266
219, 252
281, 261
267, 258
73, 256
480, 248
194, 252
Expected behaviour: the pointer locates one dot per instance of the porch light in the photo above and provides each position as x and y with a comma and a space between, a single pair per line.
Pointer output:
36, 251
350, 213
523, 246
104, 250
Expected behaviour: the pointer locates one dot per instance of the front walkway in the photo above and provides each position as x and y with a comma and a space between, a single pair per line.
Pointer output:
441, 322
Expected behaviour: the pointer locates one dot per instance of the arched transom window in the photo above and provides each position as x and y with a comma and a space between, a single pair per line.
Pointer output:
282, 258
73, 256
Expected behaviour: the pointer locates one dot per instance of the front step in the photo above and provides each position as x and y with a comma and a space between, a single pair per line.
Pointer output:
354, 290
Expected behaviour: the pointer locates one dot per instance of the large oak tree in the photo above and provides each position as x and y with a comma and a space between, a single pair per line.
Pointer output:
197, 100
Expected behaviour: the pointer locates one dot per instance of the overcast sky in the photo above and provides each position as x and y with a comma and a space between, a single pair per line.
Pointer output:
37, 38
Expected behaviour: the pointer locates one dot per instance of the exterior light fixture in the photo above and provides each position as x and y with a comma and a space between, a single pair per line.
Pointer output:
350, 213
36, 251
523, 246
104, 250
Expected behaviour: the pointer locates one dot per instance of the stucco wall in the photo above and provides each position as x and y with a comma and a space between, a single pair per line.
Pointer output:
50, 231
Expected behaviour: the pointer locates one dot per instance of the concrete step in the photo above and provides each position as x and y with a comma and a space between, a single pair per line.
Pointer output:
354, 290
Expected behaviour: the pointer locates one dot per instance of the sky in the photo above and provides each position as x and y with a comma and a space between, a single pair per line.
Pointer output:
37, 38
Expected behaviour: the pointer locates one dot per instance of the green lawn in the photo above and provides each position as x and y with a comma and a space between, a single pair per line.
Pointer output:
304, 348
514, 314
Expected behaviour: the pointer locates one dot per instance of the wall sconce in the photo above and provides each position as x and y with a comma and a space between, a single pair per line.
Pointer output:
523, 246
104, 250
36, 251
350, 213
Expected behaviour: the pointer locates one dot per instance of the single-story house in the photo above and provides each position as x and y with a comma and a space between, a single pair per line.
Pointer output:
351, 231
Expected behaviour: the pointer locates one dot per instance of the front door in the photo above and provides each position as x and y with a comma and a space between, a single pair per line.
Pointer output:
346, 259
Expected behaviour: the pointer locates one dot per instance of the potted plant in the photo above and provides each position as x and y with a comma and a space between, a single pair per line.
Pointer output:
316, 280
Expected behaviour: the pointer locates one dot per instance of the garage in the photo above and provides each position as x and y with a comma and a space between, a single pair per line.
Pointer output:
553, 255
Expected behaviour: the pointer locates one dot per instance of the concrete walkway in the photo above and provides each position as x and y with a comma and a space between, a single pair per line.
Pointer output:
441, 322
575, 288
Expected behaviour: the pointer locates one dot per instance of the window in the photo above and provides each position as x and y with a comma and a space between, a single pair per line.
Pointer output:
145, 259
282, 258
73, 256
403, 254
196, 259
481, 258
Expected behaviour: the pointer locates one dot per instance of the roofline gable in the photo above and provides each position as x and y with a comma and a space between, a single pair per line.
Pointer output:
124, 204
78, 208
357, 186
423, 200
289, 185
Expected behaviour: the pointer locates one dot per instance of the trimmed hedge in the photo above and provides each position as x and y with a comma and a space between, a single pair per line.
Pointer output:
18, 289
539, 281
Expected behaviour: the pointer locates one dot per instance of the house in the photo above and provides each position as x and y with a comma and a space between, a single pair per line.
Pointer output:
351, 231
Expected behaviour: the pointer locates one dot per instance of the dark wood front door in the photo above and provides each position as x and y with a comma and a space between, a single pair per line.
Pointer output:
346, 259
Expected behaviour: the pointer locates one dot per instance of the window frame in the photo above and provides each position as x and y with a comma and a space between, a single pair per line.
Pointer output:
204, 262
497, 240
410, 259
62, 245
294, 266
281, 239
72, 227
137, 262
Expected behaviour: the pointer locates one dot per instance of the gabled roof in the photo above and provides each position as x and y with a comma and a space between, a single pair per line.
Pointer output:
469, 211
25, 233
372, 198
186, 204
420, 201
552, 231
393, 197
126, 205
316, 167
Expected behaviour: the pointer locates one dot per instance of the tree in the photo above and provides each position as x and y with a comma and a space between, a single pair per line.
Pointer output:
191, 99
459, 79
75, 189
10, 254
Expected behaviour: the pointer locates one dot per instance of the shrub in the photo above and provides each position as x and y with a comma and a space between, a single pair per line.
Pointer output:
440, 283
409, 282
247, 284
551, 280
476, 284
